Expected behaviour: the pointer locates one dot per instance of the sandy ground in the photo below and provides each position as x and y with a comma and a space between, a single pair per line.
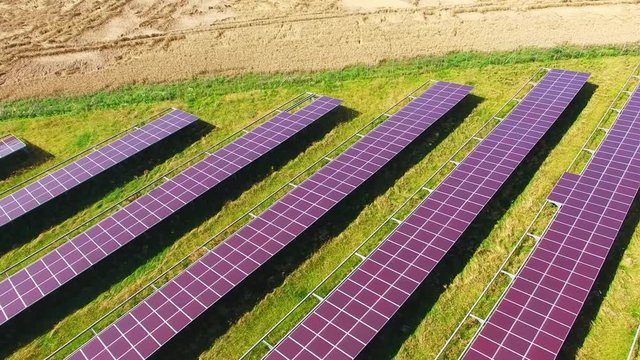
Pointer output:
89, 45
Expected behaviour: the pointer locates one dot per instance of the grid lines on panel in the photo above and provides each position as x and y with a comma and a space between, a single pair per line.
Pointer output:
162, 315
53, 270
535, 316
353, 313
10, 144
53, 185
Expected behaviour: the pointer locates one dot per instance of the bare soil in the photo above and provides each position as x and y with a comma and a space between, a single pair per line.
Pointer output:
84, 46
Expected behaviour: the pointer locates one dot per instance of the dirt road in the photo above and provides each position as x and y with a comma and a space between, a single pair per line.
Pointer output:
89, 45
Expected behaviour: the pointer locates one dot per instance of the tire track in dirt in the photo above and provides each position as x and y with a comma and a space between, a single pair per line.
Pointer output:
158, 14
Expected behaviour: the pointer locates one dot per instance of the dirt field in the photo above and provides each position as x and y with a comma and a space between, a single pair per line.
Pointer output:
89, 45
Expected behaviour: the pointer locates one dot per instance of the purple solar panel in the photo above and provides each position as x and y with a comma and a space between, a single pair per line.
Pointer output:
9, 145
53, 270
534, 318
98, 161
346, 320
162, 315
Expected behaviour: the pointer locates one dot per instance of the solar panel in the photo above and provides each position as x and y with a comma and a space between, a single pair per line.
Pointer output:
53, 185
10, 145
357, 309
536, 314
162, 315
53, 270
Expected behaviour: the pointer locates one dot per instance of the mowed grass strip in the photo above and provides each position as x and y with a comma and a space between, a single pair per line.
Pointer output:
369, 95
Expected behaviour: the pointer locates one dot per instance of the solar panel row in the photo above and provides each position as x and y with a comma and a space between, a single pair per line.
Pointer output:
37, 280
157, 319
535, 316
9, 145
53, 185
356, 310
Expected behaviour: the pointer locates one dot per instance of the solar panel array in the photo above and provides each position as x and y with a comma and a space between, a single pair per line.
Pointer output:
158, 318
9, 145
353, 313
58, 267
96, 162
534, 318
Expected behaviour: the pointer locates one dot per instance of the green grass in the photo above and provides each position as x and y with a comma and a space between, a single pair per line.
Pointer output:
63, 126
581, 162
206, 91
541, 222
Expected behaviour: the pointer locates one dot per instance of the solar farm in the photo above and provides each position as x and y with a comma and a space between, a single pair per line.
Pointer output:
464, 206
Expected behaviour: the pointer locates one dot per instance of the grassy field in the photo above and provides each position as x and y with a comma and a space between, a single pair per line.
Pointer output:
60, 127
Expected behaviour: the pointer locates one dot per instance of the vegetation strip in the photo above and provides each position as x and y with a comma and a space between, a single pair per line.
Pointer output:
189, 90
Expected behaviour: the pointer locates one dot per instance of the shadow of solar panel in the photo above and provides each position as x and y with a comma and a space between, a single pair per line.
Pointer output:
162, 315
53, 270
348, 319
534, 318
64, 179
10, 145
